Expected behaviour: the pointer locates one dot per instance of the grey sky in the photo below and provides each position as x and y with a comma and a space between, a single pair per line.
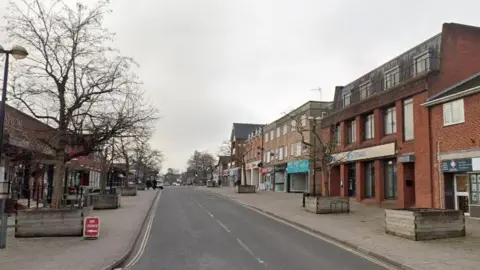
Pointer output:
208, 63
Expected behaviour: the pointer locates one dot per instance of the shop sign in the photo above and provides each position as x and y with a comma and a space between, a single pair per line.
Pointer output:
457, 165
406, 158
365, 153
298, 166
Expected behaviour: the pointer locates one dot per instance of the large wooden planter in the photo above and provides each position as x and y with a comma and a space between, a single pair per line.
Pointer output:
103, 201
210, 184
141, 186
43, 222
246, 189
424, 224
327, 205
128, 191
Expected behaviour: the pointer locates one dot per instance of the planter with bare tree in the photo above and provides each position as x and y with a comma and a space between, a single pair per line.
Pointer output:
128, 191
320, 151
43, 222
425, 224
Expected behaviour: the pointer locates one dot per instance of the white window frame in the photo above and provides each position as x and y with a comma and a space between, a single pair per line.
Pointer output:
293, 124
280, 153
346, 99
285, 129
365, 89
352, 132
338, 134
323, 115
286, 151
272, 135
408, 122
390, 121
299, 149
266, 136
458, 113
370, 118
387, 77
278, 132
420, 57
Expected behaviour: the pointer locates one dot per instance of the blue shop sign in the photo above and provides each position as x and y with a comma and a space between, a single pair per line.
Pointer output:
298, 166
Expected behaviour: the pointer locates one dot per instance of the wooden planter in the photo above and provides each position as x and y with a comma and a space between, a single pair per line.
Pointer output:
141, 186
210, 184
103, 201
327, 205
44, 222
128, 191
246, 189
425, 224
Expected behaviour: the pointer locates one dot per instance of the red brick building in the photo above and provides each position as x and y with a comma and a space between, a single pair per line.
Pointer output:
387, 151
455, 141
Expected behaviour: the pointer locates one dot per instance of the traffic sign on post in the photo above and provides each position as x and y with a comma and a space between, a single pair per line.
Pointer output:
91, 227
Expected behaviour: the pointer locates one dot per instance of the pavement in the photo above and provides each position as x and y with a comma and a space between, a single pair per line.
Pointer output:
363, 229
198, 230
118, 229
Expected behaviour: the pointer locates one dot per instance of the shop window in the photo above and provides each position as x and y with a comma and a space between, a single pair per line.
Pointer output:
453, 112
352, 131
391, 190
369, 180
408, 120
369, 127
352, 179
390, 121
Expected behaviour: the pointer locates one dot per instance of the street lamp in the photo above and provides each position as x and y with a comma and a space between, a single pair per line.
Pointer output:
18, 53
314, 165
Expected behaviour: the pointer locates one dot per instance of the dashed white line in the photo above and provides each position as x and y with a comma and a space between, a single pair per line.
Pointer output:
249, 250
223, 226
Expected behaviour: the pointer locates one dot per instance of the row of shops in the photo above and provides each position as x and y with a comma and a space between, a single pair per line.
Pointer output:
286, 177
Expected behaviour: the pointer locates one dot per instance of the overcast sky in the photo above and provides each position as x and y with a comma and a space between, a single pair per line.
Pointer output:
209, 63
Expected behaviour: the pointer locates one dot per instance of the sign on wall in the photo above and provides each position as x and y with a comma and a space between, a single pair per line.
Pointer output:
366, 153
457, 165
298, 166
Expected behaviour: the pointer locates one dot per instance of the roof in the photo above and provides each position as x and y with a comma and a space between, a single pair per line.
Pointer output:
465, 87
224, 159
241, 130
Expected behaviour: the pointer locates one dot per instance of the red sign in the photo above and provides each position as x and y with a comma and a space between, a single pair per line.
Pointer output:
91, 227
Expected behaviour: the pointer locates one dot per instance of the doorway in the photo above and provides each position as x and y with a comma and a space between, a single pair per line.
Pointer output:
461, 193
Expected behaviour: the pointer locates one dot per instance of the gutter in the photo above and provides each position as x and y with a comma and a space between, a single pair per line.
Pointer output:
455, 96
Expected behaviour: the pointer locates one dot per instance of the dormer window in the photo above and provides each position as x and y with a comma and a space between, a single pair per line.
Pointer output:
421, 63
392, 77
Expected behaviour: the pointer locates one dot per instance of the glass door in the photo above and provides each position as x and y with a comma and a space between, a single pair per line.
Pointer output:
391, 190
461, 193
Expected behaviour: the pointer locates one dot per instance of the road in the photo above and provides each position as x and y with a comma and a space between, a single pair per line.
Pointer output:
197, 230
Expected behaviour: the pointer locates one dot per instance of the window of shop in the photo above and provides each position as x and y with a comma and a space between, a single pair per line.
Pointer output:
475, 188
352, 179
338, 133
352, 131
390, 121
369, 127
408, 119
369, 180
391, 190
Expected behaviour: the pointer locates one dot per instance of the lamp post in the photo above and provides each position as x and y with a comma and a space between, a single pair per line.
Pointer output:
313, 122
18, 53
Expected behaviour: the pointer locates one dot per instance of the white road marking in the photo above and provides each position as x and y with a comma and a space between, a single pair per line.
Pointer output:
249, 250
228, 230
340, 245
146, 236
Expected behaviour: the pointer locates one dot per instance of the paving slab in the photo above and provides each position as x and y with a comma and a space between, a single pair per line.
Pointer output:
118, 229
364, 229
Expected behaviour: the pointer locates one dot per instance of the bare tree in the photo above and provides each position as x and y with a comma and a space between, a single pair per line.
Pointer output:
73, 80
147, 159
225, 149
319, 146
201, 163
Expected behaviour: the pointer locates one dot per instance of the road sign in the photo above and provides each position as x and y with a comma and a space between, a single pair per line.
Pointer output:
91, 227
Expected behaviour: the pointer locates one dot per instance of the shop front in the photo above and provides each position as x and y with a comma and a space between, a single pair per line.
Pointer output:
234, 176
298, 175
462, 185
280, 177
268, 176
253, 174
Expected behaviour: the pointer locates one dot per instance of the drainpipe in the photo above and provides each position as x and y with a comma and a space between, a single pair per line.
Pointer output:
440, 177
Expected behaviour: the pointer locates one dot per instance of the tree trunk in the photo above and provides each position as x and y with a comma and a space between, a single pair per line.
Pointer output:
244, 172
327, 183
127, 170
104, 175
58, 178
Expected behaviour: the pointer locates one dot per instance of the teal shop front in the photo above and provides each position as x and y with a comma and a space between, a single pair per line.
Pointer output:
298, 175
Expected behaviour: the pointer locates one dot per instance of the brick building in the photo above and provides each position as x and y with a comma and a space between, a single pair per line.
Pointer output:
238, 138
253, 157
387, 151
286, 162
